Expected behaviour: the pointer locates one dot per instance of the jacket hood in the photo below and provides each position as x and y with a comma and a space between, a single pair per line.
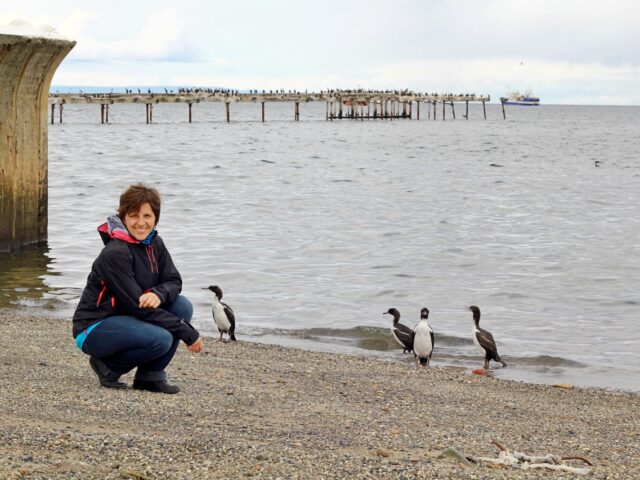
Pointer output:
114, 228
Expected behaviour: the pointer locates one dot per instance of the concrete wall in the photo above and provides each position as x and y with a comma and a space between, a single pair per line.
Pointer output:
27, 65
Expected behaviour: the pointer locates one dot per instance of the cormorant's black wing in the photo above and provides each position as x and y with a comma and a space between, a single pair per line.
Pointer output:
433, 343
405, 335
486, 341
232, 319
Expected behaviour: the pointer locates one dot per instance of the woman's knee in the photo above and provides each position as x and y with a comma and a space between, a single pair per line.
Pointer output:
161, 341
182, 307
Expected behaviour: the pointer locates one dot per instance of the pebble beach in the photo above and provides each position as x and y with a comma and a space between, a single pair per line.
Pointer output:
249, 410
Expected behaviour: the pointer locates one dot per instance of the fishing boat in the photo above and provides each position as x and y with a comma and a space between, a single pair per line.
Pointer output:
517, 98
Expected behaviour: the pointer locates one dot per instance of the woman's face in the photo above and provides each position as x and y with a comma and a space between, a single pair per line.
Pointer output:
140, 223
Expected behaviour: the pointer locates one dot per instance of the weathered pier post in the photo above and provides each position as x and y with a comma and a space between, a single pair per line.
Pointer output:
418, 110
504, 115
453, 110
484, 110
28, 61
263, 111
61, 107
53, 112
226, 109
190, 105
466, 115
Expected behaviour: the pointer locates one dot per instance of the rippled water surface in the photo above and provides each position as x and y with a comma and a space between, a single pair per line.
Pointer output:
314, 228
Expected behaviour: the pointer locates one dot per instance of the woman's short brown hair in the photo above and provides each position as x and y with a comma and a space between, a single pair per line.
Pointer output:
137, 195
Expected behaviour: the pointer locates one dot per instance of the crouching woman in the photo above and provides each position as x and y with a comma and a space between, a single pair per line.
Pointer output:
131, 314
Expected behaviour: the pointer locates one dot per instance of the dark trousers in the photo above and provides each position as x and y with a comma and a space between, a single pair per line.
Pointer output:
123, 343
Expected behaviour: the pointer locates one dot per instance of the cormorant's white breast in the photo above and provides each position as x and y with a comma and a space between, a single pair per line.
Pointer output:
423, 340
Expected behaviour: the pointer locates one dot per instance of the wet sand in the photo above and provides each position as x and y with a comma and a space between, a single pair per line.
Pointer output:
252, 410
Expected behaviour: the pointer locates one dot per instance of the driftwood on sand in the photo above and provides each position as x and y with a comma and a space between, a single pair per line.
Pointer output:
525, 462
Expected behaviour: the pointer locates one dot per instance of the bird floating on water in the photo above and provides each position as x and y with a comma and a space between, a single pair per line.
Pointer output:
402, 333
222, 314
423, 340
484, 340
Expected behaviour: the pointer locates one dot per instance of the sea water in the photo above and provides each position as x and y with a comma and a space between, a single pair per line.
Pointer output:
314, 228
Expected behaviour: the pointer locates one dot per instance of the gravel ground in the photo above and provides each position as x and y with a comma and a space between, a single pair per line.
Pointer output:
253, 410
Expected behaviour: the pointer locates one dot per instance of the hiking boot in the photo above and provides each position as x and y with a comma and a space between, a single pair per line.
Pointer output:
158, 386
107, 381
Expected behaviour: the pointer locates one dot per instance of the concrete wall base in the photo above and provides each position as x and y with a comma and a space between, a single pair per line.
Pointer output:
27, 65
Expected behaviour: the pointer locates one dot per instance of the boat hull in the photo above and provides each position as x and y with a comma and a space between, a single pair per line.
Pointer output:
523, 101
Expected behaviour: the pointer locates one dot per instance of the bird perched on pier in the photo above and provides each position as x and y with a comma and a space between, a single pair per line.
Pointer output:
484, 340
423, 340
402, 333
222, 314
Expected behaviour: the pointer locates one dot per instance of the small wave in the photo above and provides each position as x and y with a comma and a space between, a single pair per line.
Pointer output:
384, 293
617, 303
550, 361
368, 337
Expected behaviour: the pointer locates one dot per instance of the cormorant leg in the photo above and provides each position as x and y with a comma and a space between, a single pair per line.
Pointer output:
486, 364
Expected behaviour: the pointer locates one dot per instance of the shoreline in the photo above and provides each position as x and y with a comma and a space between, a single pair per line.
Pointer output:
265, 411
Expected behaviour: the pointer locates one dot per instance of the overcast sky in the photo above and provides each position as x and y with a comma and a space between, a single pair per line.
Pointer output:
566, 51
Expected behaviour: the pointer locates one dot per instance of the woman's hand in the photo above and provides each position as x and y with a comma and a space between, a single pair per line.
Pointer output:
196, 346
149, 300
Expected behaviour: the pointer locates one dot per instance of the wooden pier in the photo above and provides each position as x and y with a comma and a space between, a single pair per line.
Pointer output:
355, 105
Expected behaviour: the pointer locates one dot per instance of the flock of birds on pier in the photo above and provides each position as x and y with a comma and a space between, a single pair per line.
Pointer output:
235, 92
419, 340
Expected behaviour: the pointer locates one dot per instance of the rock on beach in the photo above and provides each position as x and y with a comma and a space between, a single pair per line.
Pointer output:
249, 410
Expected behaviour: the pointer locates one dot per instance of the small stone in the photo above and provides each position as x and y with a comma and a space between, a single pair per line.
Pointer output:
381, 452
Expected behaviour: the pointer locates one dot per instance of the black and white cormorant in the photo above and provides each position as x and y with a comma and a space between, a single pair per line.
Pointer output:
402, 333
423, 340
222, 314
484, 340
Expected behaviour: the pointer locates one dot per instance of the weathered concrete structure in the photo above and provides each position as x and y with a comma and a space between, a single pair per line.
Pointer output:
28, 60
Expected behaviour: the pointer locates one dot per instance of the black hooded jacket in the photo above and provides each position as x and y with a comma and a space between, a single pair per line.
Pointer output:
123, 271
